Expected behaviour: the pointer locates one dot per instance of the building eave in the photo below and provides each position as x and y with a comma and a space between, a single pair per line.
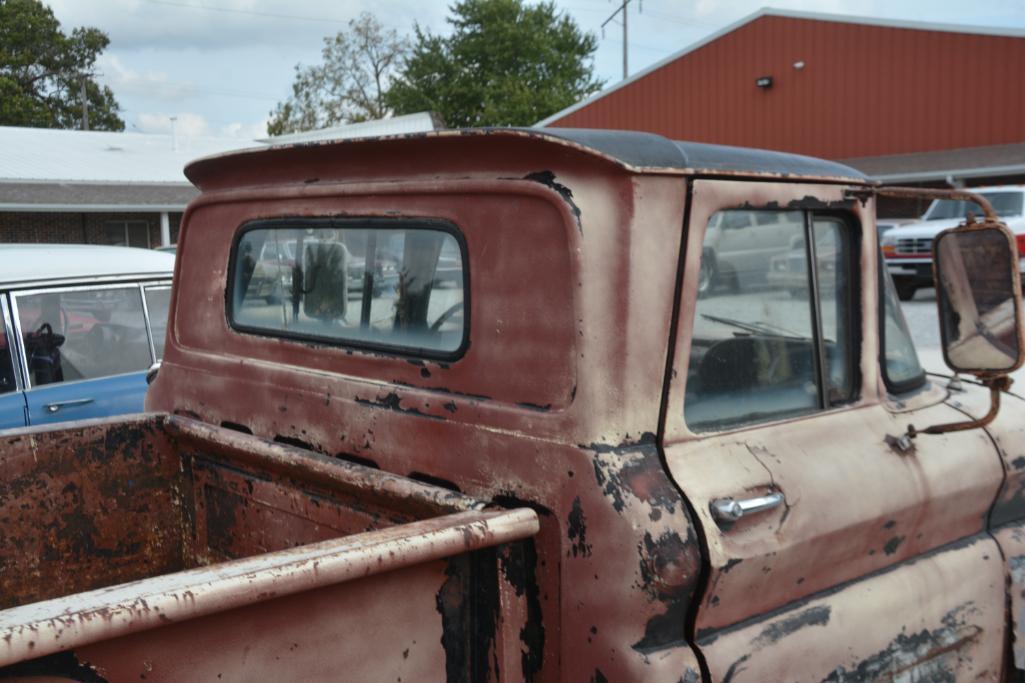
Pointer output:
92, 208
944, 174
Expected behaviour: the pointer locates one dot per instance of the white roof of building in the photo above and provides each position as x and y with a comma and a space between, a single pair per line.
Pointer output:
33, 155
772, 12
25, 264
48, 170
46, 154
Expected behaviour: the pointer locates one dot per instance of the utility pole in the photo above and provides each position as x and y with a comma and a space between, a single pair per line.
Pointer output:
621, 8
85, 104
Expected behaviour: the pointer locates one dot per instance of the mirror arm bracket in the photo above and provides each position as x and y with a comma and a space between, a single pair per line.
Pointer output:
996, 384
861, 194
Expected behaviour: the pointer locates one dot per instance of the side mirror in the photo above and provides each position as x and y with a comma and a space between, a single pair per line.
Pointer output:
978, 290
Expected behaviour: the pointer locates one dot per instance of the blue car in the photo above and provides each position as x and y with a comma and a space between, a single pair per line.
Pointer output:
81, 325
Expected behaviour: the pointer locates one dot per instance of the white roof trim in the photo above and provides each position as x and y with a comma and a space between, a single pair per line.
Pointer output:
93, 208
941, 174
792, 14
96, 183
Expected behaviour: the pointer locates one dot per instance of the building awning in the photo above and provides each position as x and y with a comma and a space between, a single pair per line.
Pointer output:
956, 164
95, 197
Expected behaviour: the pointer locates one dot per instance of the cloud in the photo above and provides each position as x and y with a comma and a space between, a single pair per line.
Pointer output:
246, 131
186, 124
193, 125
275, 25
126, 81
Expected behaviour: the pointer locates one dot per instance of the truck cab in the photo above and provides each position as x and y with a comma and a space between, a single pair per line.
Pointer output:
717, 476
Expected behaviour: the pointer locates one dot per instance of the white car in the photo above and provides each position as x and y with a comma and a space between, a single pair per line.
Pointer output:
908, 248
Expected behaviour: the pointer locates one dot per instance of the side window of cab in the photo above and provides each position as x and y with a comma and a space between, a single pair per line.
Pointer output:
774, 320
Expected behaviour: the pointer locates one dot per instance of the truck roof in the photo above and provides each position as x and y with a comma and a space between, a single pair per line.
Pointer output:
633, 151
30, 264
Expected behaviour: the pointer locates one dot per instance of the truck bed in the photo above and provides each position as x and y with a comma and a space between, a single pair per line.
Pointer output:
116, 527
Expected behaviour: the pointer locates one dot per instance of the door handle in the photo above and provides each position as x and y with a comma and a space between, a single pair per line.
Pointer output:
54, 407
731, 510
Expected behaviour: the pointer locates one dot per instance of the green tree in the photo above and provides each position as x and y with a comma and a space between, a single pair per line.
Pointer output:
351, 83
42, 71
505, 63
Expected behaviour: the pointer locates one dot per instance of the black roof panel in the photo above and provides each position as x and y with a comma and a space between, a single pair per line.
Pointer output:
648, 150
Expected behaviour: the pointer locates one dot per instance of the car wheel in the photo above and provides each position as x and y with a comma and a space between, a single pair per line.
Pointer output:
726, 275
905, 289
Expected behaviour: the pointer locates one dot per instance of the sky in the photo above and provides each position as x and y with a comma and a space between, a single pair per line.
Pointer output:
220, 66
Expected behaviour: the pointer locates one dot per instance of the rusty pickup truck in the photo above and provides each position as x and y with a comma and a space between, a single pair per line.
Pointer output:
537, 405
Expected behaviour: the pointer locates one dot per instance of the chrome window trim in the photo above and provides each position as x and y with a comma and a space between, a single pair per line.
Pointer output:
73, 281
149, 328
13, 343
117, 284
146, 287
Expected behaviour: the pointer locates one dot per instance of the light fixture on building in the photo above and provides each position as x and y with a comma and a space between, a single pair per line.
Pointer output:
764, 81
798, 65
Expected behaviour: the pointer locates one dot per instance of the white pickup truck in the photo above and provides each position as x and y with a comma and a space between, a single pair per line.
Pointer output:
908, 248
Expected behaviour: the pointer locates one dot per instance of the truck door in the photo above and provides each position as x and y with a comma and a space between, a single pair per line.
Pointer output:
832, 555
86, 351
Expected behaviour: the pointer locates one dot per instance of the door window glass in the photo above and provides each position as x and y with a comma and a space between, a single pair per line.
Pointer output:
83, 333
158, 301
394, 288
758, 336
833, 253
901, 369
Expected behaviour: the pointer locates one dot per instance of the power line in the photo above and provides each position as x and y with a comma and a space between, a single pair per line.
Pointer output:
231, 10
620, 9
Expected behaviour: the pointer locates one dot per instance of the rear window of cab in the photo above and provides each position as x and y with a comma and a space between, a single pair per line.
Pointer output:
394, 286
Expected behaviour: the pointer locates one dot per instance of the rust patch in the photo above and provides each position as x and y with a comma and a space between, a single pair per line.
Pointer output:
668, 570
577, 530
518, 564
547, 178
392, 401
891, 546
919, 656
61, 665
813, 616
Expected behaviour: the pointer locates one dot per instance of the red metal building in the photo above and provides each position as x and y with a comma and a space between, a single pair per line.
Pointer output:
902, 101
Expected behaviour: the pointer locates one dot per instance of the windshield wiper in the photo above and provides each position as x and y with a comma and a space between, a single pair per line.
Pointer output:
767, 329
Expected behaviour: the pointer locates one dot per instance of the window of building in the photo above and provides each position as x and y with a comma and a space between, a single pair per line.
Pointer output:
126, 234
772, 337
391, 286
83, 333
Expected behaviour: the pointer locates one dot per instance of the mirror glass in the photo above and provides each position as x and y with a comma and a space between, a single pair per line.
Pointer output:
978, 299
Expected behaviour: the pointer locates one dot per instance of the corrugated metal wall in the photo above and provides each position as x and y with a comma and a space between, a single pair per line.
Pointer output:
863, 91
